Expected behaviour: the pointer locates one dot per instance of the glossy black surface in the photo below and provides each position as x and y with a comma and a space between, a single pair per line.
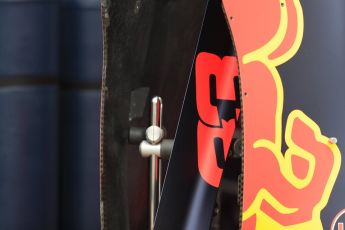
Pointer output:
187, 200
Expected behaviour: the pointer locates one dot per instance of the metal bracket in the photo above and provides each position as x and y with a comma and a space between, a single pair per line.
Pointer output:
155, 147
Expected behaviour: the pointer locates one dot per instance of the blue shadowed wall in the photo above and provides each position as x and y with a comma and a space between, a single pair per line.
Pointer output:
28, 157
50, 72
80, 72
29, 114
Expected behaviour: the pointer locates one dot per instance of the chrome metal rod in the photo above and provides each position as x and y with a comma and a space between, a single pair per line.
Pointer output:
159, 179
155, 168
156, 111
154, 182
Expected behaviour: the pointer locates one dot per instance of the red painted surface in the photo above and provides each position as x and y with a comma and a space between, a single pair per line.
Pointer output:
210, 125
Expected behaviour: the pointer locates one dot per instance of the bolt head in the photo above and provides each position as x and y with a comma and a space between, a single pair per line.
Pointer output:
333, 140
154, 134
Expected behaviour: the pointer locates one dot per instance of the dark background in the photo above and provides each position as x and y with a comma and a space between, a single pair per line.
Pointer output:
50, 73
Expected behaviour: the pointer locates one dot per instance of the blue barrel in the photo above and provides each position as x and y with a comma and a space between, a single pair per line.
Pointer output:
81, 59
80, 160
28, 115
29, 38
28, 157
81, 39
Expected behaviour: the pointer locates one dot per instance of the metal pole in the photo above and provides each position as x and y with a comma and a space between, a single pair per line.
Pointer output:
155, 168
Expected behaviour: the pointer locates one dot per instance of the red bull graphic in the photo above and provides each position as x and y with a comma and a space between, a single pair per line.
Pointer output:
215, 128
282, 189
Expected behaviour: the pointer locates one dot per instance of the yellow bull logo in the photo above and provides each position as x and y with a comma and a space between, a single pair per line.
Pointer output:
281, 190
